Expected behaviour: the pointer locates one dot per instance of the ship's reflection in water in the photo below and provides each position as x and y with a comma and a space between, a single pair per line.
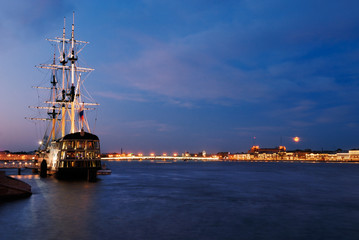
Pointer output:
144, 200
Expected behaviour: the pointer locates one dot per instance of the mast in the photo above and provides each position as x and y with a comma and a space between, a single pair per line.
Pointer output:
66, 100
72, 58
53, 113
63, 91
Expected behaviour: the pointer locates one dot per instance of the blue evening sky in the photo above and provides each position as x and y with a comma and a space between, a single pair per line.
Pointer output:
195, 75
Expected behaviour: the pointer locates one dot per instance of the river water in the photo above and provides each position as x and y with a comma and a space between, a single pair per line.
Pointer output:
191, 200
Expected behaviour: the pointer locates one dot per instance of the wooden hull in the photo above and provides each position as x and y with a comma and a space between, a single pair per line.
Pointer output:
89, 174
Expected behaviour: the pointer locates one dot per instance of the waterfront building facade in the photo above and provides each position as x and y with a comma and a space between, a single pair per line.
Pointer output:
280, 154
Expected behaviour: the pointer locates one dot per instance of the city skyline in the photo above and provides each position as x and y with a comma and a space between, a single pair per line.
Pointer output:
176, 76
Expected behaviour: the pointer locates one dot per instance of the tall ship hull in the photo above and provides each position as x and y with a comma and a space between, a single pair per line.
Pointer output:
68, 149
75, 156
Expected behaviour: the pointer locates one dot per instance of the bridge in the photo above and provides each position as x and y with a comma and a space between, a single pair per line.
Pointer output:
14, 164
161, 158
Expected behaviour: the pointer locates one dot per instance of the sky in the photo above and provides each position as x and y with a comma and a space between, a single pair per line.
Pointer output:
176, 76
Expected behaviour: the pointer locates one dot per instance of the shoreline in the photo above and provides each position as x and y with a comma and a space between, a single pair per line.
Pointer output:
232, 160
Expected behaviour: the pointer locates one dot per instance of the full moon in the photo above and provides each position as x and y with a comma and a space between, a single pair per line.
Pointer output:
296, 139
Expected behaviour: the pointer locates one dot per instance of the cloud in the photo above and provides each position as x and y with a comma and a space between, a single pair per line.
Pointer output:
121, 96
336, 114
246, 60
179, 70
28, 19
148, 125
286, 64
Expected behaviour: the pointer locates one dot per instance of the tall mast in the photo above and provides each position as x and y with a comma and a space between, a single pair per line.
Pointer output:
72, 59
53, 113
63, 91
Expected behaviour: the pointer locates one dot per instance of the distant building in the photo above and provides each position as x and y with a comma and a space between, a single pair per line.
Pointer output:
343, 156
223, 155
6, 156
256, 149
354, 154
280, 154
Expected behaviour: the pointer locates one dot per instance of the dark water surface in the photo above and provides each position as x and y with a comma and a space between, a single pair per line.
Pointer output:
197, 200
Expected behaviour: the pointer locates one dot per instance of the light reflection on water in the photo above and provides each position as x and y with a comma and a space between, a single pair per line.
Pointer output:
23, 177
144, 200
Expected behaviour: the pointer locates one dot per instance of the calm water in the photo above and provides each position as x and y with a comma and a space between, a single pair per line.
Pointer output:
143, 200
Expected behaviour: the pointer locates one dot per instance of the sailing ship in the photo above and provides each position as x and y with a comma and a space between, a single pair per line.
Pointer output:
69, 149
